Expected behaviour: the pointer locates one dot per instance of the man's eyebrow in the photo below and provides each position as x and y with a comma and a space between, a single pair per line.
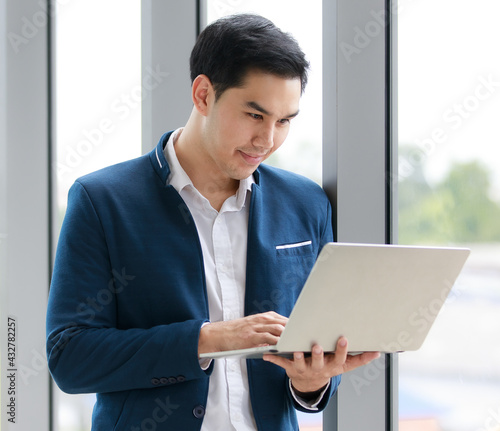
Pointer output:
257, 107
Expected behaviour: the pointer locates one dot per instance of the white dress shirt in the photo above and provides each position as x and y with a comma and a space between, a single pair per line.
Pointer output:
223, 238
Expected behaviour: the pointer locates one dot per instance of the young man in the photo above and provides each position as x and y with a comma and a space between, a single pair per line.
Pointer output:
176, 253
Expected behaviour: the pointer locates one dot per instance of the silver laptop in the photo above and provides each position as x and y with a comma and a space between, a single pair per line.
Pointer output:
381, 297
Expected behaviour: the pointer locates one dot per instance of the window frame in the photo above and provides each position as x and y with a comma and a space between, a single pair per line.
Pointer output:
25, 228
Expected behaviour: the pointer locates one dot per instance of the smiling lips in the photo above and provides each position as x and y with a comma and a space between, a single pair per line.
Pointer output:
252, 159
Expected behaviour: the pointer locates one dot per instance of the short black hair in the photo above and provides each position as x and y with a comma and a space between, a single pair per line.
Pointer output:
230, 47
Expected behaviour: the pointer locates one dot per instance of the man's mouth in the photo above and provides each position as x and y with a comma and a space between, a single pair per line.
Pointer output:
252, 159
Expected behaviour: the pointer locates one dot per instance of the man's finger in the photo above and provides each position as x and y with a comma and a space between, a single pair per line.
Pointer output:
341, 351
299, 362
275, 328
271, 317
355, 361
317, 358
278, 360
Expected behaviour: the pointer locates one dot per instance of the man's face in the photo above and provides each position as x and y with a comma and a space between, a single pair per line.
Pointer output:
247, 124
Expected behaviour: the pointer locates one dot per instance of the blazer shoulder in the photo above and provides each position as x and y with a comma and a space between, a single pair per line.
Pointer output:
278, 180
120, 175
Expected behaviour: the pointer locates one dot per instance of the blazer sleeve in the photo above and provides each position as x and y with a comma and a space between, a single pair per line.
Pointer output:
88, 353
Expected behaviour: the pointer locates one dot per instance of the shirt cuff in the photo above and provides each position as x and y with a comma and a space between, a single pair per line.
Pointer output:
205, 362
309, 404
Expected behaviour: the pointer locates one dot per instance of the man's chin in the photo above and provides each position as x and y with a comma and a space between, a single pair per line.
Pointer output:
244, 173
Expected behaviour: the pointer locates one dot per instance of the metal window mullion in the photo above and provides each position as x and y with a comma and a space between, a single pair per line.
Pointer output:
392, 189
169, 31
25, 196
358, 160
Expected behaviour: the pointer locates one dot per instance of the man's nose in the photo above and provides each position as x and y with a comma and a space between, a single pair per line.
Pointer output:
266, 137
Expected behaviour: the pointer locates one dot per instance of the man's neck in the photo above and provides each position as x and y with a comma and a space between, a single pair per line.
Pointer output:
205, 177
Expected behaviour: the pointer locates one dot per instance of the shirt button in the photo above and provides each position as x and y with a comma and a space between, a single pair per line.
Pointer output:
155, 381
199, 412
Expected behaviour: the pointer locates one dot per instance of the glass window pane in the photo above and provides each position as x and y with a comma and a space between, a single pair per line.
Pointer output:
301, 152
449, 194
98, 117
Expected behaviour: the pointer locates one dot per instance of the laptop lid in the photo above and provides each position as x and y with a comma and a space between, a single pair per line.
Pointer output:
381, 297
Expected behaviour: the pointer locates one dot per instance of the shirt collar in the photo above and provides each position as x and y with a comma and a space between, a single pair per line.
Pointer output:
179, 179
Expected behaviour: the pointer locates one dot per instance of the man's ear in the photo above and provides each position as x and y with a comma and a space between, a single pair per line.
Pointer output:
202, 93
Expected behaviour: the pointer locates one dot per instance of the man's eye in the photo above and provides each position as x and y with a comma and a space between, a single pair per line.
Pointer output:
284, 121
255, 116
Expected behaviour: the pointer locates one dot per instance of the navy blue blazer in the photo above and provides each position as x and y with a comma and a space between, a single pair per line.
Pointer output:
128, 294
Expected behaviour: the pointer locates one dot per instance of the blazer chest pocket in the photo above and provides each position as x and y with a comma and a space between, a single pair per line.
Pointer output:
297, 249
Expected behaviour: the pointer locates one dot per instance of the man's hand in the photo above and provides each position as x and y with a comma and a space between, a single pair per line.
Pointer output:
313, 373
250, 331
